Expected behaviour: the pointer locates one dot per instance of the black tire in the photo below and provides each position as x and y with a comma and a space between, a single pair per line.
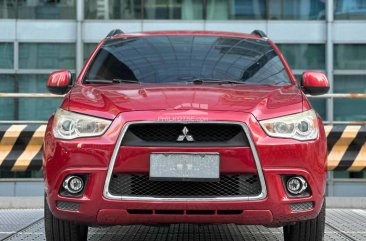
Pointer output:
62, 230
310, 230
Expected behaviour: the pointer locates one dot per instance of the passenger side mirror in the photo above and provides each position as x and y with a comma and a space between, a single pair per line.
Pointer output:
314, 83
60, 82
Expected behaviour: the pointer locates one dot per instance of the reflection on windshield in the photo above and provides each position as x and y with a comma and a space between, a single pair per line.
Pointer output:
160, 59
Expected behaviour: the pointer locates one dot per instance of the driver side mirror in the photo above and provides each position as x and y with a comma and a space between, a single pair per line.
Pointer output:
60, 82
314, 83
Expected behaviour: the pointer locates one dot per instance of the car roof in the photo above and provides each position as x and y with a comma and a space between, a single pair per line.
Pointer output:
187, 33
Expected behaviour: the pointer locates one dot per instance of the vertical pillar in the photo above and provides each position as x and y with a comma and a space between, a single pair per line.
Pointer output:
16, 70
329, 57
79, 35
329, 69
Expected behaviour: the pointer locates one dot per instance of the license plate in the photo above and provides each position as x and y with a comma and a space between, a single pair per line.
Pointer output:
185, 167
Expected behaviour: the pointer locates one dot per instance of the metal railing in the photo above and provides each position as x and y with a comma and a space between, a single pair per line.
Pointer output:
340, 96
30, 95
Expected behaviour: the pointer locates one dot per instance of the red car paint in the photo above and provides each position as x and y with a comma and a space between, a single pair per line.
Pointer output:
263, 102
58, 78
225, 102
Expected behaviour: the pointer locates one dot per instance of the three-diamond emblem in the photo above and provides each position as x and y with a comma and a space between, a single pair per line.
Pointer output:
185, 136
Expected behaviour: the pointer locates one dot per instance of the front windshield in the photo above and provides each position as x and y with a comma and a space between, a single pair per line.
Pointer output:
162, 59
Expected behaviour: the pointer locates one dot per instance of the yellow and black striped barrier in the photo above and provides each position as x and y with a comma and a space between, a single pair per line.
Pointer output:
346, 147
21, 147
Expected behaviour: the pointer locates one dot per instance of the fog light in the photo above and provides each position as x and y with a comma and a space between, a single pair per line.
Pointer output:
73, 184
296, 185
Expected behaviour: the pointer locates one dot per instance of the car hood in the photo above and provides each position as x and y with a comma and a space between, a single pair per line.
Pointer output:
262, 101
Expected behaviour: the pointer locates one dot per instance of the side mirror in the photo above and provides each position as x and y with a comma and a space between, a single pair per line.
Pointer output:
60, 82
314, 83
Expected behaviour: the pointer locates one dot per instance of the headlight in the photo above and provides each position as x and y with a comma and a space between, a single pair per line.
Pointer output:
69, 125
302, 126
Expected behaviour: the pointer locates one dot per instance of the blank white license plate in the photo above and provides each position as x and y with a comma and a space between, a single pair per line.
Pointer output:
185, 167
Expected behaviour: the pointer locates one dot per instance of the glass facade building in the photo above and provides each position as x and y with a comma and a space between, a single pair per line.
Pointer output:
40, 36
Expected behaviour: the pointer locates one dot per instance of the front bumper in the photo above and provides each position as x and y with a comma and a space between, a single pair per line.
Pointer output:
277, 157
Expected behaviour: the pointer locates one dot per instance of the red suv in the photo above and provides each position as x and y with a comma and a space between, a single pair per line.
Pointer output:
185, 127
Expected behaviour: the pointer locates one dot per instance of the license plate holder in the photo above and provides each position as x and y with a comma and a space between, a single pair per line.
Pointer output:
184, 166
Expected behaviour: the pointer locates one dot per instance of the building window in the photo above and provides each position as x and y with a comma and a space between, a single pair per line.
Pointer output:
144, 9
349, 56
182, 9
113, 9
350, 9
35, 109
320, 106
304, 56
173, 9
26, 108
26, 174
46, 9
235, 9
350, 84
88, 49
7, 85
350, 109
347, 174
7, 9
6, 53
47, 55
296, 10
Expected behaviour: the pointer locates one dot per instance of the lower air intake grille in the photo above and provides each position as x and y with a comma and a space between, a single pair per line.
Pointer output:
139, 185
72, 206
298, 207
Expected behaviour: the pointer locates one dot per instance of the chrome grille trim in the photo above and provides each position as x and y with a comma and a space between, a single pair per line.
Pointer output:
260, 174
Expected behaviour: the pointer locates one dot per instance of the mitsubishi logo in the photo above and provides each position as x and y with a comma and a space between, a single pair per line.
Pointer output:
185, 135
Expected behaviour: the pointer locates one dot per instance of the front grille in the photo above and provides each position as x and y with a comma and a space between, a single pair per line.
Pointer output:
203, 134
139, 185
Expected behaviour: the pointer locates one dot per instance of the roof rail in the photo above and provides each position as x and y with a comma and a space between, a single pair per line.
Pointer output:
260, 33
114, 32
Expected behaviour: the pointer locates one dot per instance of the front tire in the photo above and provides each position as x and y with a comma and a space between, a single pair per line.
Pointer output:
62, 230
310, 230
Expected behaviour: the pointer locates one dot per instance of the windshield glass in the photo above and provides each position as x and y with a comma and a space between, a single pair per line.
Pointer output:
161, 59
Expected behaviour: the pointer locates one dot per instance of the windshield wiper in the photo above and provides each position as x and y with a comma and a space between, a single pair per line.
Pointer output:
125, 81
219, 81
111, 81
